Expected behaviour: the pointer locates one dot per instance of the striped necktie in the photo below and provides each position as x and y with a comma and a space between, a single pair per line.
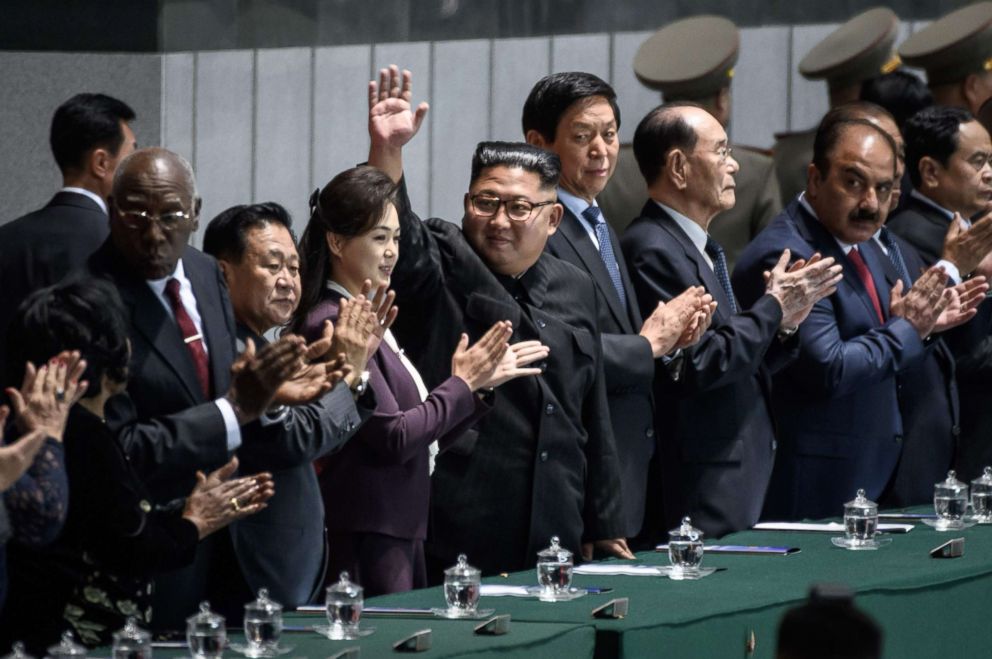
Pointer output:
595, 217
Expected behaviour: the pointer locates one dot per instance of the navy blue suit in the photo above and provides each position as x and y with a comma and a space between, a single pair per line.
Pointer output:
837, 405
716, 438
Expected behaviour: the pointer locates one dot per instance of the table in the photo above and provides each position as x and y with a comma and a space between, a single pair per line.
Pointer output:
450, 638
910, 594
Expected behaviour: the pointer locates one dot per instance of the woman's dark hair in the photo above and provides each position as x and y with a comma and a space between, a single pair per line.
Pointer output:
79, 314
351, 204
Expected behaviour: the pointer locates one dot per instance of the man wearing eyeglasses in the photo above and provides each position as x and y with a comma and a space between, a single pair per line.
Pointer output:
190, 404
717, 440
575, 115
543, 462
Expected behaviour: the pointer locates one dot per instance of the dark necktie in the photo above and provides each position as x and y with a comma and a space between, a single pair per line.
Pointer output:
720, 270
854, 256
595, 217
895, 255
192, 338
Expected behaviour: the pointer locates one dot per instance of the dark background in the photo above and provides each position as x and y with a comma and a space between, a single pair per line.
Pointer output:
179, 25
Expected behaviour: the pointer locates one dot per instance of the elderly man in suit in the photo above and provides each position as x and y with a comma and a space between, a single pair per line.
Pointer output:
90, 135
284, 548
948, 216
184, 410
693, 59
543, 462
837, 405
575, 115
718, 440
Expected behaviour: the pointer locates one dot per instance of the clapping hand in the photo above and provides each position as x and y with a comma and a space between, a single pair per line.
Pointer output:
257, 377
46, 394
320, 370
924, 302
799, 286
217, 501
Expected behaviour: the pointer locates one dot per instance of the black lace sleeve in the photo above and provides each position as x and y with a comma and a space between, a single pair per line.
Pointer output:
39, 500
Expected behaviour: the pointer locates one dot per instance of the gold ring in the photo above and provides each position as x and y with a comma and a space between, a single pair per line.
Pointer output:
235, 504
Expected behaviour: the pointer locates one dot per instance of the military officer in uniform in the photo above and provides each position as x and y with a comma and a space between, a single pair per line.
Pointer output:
857, 51
693, 60
956, 52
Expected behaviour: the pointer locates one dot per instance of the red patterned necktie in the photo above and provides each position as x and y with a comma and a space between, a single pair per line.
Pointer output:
192, 338
865, 274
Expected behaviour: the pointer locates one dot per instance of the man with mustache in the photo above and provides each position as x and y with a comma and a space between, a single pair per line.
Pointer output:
948, 157
837, 404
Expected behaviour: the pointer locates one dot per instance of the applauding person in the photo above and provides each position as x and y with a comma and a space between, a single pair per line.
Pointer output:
376, 489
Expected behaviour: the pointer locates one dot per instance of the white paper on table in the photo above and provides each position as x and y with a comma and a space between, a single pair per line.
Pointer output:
618, 569
829, 527
499, 590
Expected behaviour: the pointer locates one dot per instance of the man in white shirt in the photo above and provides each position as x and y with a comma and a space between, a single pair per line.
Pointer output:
89, 136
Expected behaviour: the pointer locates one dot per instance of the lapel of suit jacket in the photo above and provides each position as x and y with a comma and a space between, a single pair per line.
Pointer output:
813, 231
150, 319
704, 272
206, 290
574, 233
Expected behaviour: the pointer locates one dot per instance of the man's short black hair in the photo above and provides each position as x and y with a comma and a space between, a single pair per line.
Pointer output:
832, 127
659, 132
545, 164
225, 235
86, 122
900, 92
553, 95
932, 132
76, 314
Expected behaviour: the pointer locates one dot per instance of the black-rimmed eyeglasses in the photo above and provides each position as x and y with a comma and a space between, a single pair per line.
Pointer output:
518, 210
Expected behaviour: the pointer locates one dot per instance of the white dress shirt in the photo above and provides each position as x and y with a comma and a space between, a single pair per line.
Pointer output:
87, 193
578, 206
189, 302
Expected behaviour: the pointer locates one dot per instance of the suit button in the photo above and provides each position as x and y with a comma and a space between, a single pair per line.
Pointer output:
542, 324
774, 445
649, 433
898, 439
955, 430
549, 409
543, 366
544, 456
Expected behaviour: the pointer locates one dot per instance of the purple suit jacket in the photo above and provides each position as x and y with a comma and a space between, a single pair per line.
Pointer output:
379, 482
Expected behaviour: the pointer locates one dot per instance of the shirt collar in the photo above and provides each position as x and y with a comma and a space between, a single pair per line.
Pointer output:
693, 230
88, 193
917, 195
338, 288
158, 285
845, 247
575, 204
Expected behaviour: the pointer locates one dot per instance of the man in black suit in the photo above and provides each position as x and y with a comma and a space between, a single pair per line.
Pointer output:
717, 436
89, 136
575, 115
947, 157
283, 547
543, 462
184, 410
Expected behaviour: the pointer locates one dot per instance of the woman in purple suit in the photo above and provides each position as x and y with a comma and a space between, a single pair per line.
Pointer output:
376, 488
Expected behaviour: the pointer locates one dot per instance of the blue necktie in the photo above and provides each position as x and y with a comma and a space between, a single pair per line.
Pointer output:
595, 217
720, 270
896, 257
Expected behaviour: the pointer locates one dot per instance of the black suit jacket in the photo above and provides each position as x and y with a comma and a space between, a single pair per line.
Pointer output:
714, 423
627, 363
40, 248
928, 402
170, 430
922, 226
925, 227
543, 461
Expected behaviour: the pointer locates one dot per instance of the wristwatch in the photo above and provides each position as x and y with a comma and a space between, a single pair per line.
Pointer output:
362, 384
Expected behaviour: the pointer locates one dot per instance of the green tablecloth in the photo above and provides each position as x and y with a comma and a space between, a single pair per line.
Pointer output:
450, 638
927, 607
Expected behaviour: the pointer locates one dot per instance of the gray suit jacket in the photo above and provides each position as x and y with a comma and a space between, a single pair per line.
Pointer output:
283, 548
